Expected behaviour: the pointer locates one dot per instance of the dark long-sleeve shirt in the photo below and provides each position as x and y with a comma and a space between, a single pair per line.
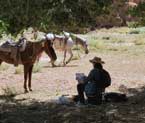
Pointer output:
93, 76
97, 76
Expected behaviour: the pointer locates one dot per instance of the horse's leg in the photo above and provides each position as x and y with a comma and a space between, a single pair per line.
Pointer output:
71, 55
52, 63
30, 77
26, 68
64, 57
1, 62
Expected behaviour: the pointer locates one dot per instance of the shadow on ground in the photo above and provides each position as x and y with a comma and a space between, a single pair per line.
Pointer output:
16, 111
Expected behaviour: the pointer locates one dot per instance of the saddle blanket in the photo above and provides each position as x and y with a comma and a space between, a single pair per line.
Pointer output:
14, 48
9, 45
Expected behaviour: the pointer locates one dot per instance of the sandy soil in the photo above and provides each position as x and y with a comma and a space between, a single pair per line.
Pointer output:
51, 82
127, 73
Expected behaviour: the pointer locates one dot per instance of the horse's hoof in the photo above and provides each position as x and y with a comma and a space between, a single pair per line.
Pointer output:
30, 89
54, 65
26, 91
66, 62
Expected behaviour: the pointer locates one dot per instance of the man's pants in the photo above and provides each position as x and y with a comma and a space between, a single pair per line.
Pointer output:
92, 99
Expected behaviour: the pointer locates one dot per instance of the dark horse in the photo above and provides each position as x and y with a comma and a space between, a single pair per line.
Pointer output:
29, 56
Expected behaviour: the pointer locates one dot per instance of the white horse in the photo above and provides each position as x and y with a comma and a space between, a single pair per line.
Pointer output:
65, 43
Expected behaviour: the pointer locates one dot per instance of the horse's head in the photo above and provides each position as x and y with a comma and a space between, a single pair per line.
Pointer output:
83, 43
48, 48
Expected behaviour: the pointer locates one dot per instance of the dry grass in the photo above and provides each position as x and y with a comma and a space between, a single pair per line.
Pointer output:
9, 91
4, 67
37, 67
139, 42
19, 70
124, 67
117, 40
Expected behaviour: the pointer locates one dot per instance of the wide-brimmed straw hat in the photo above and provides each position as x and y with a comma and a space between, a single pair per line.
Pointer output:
97, 60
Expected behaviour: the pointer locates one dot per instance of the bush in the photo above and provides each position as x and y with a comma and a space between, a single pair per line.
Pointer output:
52, 15
37, 68
139, 12
140, 30
19, 70
3, 27
4, 67
9, 92
95, 44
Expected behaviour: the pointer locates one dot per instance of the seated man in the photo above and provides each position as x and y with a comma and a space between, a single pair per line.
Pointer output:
95, 83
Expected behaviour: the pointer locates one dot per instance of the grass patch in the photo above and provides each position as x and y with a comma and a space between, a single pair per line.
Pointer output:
37, 68
123, 48
76, 47
19, 70
9, 92
117, 40
139, 42
117, 30
95, 44
134, 32
106, 38
4, 67
76, 57
140, 30
112, 49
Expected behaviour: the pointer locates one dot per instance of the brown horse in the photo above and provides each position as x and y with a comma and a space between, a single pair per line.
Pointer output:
29, 56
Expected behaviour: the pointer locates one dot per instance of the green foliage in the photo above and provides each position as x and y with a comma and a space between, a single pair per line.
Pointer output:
97, 44
139, 12
37, 68
70, 15
3, 27
52, 15
139, 30
9, 92
4, 67
133, 24
18, 70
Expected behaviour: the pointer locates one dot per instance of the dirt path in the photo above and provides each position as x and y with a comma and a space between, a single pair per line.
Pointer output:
51, 82
125, 63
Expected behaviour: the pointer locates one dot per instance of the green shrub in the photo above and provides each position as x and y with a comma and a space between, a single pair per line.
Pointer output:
3, 27
37, 68
97, 44
133, 24
9, 92
19, 70
4, 67
139, 42
139, 30
139, 13
134, 32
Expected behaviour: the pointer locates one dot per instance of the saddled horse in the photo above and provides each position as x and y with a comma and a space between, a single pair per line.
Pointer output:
29, 56
65, 43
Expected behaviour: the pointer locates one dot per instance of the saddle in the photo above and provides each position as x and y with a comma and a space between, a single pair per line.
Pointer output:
14, 48
59, 42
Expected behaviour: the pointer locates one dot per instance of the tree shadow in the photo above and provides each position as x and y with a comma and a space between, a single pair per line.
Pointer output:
34, 111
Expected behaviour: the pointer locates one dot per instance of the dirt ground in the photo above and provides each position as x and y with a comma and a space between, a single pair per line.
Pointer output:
127, 73
50, 83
